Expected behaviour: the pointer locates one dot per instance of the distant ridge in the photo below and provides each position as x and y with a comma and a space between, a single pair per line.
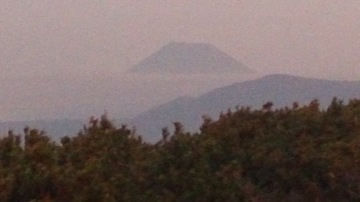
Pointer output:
282, 90
184, 58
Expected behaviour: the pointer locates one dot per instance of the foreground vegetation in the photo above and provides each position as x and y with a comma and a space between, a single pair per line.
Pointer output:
290, 154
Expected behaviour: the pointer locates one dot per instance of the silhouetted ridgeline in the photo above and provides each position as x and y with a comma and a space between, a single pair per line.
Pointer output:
286, 154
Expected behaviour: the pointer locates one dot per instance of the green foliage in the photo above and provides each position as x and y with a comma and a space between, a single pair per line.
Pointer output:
289, 154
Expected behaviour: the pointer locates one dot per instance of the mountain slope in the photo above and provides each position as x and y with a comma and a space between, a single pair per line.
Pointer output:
183, 58
282, 90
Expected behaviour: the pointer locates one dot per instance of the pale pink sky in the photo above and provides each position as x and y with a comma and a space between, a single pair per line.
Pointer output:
307, 37
85, 42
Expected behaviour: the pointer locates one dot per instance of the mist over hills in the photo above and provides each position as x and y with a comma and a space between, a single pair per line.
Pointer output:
186, 58
55, 128
282, 90
190, 68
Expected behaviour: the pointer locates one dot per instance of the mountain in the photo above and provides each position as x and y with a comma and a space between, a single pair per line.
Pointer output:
282, 90
185, 58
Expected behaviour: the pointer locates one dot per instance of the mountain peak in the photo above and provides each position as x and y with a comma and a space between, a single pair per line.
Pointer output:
183, 58
186, 45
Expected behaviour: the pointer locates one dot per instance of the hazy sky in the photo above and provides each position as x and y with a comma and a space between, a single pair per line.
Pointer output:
308, 37
92, 40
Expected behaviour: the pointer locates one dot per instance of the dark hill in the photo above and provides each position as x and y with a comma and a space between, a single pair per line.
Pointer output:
282, 90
